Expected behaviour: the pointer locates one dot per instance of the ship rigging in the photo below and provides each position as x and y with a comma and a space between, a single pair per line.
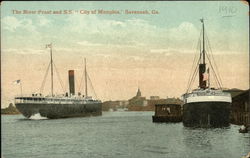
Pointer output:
205, 69
59, 106
205, 106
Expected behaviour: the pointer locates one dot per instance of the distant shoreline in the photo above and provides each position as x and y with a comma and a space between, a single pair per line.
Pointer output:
11, 110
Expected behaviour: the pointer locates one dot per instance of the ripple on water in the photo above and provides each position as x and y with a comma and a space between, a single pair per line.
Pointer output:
117, 134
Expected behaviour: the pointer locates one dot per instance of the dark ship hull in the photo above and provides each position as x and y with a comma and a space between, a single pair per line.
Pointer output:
56, 110
206, 114
167, 118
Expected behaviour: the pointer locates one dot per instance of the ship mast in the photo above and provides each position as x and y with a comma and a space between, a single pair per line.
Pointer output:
202, 65
86, 88
203, 32
51, 64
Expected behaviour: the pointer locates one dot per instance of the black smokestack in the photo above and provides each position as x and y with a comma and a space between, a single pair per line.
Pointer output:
202, 69
71, 82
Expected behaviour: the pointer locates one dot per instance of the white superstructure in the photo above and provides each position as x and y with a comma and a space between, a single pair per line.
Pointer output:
207, 95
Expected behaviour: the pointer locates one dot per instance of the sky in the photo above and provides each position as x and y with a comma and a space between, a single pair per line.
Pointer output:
124, 52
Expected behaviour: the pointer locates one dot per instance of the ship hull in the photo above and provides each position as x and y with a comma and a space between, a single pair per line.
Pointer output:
55, 111
167, 118
206, 114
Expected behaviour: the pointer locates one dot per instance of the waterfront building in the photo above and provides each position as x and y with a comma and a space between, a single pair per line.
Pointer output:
154, 97
138, 100
240, 110
234, 91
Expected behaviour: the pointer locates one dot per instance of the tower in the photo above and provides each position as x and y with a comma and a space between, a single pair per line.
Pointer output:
138, 93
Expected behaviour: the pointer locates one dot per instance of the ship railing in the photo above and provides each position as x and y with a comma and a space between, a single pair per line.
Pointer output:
39, 95
37, 100
206, 94
29, 95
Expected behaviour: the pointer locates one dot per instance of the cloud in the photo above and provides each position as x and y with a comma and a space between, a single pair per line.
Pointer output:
87, 43
28, 25
185, 34
13, 24
170, 51
111, 32
94, 32
10, 23
24, 51
165, 52
81, 23
132, 32
159, 50
42, 21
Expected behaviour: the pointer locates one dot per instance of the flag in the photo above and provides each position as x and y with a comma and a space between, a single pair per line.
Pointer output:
17, 82
201, 20
205, 75
48, 45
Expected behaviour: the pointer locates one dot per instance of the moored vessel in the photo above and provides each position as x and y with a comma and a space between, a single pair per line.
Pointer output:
206, 106
167, 113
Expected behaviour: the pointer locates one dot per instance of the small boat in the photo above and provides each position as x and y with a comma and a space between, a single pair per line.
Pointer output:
243, 129
167, 113
248, 156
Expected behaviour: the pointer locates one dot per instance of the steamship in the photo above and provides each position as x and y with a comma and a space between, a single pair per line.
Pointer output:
60, 106
206, 106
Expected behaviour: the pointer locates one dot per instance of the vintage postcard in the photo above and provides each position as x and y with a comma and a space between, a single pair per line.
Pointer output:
125, 79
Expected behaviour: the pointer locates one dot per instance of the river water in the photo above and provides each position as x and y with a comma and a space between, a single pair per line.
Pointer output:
117, 135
